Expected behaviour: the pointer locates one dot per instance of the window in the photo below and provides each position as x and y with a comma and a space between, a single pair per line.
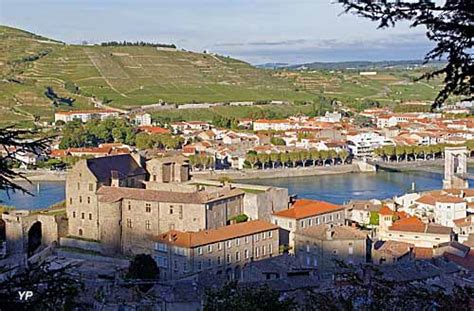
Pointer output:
338, 215
129, 205
91, 187
315, 262
229, 243
176, 265
209, 248
88, 200
290, 224
90, 216
307, 247
247, 239
161, 247
310, 222
237, 241
199, 265
171, 209
317, 221
83, 215
219, 245
246, 254
308, 260
199, 250
80, 199
80, 232
228, 258
270, 249
70, 200
263, 250
334, 251
270, 234
129, 223
73, 214
330, 217
148, 207
147, 225
257, 251
209, 262
302, 224
237, 256
351, 250
218, 260
256, 237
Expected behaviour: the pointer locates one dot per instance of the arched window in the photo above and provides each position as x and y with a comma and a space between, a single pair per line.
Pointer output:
80, 232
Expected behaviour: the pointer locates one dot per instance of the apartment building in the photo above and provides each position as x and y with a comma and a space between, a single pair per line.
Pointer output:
226, 250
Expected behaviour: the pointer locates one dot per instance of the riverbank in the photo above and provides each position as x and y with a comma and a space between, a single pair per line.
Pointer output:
278, 172
42, 175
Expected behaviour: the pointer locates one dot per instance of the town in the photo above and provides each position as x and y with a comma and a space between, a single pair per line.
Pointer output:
172, 191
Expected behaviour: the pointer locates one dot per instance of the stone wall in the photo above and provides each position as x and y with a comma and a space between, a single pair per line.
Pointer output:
81, 244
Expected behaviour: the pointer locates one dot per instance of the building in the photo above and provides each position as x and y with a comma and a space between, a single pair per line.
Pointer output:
363, 212
306, 213
362, 145
143, 119
413, 231
168, 169
319, 246
82, 182
131, 217
445, 208
464, 227
224, 250
84, 115
391, 252
455, 168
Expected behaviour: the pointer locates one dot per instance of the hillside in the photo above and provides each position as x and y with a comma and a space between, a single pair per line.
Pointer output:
125, 76
40, 75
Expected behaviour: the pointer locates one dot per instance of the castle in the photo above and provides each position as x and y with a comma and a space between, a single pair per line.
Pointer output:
123, 202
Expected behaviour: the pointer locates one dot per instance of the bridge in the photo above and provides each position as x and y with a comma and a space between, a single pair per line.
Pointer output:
429, 166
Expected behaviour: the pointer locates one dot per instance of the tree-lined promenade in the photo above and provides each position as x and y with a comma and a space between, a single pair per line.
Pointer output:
414, 153
293, 159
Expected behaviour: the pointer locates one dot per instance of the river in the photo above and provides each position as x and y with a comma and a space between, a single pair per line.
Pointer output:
333, 188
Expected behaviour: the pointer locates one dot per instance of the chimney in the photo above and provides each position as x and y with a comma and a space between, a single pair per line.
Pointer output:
114, 179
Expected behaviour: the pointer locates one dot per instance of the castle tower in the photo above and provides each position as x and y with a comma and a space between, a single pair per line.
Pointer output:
455, 168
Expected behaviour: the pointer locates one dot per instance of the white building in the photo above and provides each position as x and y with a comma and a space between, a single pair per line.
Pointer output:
84, 115
143, 119
273, 125
362, 145
446, 208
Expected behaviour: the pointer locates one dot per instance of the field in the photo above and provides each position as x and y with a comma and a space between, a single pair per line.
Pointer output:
131, 76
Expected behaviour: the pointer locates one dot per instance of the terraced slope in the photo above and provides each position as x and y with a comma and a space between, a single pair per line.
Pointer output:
125, 76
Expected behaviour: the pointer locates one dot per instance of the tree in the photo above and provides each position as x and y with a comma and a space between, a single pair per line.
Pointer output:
304, 156
274, 157
53, 284
399, 152
252, 159
143, 267
294, 157
332, 154
284, 158
343, 155
324, 156
236, 298
315, 156
263, 158
277, 141
449, 24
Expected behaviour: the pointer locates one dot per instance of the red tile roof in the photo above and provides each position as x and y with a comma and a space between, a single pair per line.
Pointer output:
306, 208
200, 238
414, 224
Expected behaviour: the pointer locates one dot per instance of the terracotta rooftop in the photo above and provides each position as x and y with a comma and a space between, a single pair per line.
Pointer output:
200, 238
393, 248
464, 222
337, 232
433, 198
414, 224
307, 208
113, 194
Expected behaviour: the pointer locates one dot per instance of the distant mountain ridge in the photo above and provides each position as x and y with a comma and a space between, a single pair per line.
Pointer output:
356, 65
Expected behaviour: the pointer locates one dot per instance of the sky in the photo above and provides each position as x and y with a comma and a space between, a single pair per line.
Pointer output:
258, 31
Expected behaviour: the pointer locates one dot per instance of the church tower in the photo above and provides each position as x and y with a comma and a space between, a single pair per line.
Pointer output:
455, 168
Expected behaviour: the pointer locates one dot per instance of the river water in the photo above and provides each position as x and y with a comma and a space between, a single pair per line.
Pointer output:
333, 188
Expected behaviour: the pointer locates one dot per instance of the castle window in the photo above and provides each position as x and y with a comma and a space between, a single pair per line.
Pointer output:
229, 243
154, 177
129, 205
129, 223
257, 251
171, 209
246, 254
90, 216
270, 249
91, 187
228, 258
88, 200
147, 225
70, 200
80, 232
263, 250
80, 199
73, 214
199, 250
83, 215
209, 248
237, 256
148, 207
269, 234
219, 245
218, 260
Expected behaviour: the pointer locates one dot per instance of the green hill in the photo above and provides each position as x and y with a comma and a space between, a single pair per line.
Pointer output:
125, 76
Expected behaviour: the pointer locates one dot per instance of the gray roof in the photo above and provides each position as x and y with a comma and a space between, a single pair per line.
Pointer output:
338, 232
124, 164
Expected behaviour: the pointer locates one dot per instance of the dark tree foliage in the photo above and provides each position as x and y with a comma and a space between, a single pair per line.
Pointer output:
54, 287
143, 267
236, 298
56, 99
449, 25
10, 137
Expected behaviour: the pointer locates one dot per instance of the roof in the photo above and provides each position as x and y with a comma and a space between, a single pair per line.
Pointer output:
433, 198
306, 208
414, 224
332, 232
124, 164
153, 129
464, 222
393, 248
385, 210
72, 112
199, 238
113, 194
466, 262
